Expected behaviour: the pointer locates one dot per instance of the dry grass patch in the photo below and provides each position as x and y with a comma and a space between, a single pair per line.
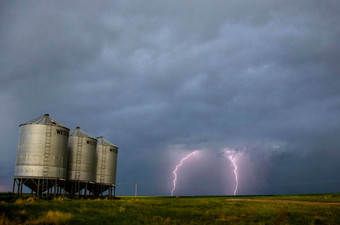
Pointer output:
24, 201
4, 220
52, 217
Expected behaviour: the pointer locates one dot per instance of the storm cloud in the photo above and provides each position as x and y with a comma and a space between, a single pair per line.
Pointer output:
160, 79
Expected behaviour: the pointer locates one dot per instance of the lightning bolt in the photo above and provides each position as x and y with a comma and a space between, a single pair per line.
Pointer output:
231, 158
231, 154
175, 171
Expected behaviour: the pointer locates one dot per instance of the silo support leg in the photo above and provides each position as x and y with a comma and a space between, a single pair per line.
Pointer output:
114, 191
21, 184
111, 192
13, 185
64, 189
79, 189
55, 188
72, 190
38, 188
18, 190
48, 189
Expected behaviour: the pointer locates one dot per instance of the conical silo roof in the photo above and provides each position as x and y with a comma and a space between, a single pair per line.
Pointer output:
102, 141
44, 119
80, 133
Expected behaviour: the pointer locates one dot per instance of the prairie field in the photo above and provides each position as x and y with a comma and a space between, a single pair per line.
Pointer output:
280, 209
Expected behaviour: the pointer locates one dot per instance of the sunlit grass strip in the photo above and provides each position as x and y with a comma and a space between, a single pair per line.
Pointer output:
288, 209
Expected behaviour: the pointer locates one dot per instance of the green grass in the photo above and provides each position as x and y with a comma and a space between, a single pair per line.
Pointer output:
285, 209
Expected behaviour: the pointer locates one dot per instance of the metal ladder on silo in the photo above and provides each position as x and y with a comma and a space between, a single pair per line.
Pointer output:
78, 157
46, 161
103, 167
78, 164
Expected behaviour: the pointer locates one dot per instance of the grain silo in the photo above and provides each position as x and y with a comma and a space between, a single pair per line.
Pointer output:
41, 161
81, 164
106, 156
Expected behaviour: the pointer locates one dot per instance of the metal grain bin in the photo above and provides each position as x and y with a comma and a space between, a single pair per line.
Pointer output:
81, 164
42, 149
106, 156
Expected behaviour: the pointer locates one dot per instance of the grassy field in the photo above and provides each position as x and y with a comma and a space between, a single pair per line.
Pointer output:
285, 209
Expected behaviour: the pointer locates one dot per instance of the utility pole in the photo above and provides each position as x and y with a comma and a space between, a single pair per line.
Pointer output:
136, 186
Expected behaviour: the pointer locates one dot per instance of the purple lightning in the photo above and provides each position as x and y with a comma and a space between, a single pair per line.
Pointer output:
231, 154
175, 171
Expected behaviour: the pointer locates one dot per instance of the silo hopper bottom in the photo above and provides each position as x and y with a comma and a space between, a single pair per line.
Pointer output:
100, 189
82, 188
39, 185
74, 187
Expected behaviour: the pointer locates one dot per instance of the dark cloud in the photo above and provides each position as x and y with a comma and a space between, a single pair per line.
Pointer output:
162, 78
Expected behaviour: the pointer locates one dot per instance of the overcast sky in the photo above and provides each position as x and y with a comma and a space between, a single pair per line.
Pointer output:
160, 79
